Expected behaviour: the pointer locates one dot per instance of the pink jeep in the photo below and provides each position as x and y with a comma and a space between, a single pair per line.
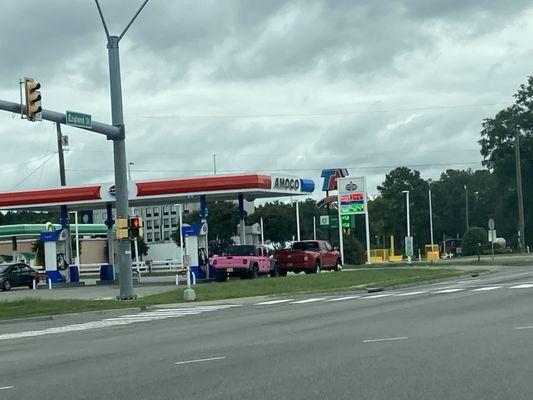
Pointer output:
246, 261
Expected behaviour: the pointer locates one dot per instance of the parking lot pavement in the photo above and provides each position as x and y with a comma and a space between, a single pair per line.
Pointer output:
91, 291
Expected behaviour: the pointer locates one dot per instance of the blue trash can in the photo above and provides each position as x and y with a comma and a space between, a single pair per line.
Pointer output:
106, 272
74, 273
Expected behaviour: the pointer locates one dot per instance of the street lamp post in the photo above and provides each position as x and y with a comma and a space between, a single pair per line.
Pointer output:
406, 192
466, 205
430, 216
297, 220
119, 154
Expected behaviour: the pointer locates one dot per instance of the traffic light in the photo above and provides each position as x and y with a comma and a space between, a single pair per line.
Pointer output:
122, 228
135, 229
33, 99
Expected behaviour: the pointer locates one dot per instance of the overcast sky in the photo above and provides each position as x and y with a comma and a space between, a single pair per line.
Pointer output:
274, 86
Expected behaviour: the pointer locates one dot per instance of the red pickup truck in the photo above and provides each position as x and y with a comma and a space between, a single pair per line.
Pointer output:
309, 256
245, 261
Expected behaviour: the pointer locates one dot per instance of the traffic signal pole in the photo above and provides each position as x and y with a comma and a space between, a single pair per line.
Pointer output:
121, 178
123, 252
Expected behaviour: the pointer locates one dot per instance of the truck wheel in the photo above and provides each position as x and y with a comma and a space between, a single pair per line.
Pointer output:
338, 266
6, 287
253, 273
274, 272
221, 275
316, 269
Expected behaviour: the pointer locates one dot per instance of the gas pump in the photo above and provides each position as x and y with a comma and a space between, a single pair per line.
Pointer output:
54, 243
195, 241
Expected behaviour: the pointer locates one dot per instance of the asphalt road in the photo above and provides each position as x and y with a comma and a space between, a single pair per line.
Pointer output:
466, 339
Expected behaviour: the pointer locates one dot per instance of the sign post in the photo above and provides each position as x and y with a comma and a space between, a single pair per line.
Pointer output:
352, 200
492, 236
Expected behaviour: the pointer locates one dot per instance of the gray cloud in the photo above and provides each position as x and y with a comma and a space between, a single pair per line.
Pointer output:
266, 85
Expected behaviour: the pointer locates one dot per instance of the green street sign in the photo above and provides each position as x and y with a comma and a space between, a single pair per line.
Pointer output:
79, 120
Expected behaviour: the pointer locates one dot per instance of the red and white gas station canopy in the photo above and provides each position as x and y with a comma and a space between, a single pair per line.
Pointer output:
171, 191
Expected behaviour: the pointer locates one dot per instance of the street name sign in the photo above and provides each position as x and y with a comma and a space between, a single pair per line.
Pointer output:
79, 120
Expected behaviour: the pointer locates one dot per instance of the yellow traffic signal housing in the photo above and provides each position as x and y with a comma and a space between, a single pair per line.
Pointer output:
33, 99
122, 228
135, 229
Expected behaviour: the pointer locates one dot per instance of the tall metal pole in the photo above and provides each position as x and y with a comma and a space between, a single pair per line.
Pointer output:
63, 182
430, 216
297, 221
262, 232
214, 164
132, 210
521, 223
119, 155
182, 258
466, 205
314, 228
61, 157
408, 218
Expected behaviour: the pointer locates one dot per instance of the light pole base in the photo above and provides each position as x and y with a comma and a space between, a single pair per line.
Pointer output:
189, 295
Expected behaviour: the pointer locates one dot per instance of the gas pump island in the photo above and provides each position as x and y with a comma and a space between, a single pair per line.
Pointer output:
160, 192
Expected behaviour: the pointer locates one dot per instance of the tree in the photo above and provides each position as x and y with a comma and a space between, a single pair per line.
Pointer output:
497, 148
474, 240
222, 225
390, 207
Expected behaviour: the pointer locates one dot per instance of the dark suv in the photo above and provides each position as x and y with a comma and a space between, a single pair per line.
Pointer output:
18, 274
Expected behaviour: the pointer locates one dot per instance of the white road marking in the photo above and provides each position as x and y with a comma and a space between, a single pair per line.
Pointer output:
448, 290
267, 303
524, 327
411, 293
343, 298
309, 300
118, 321
525, 286
376, 296
199, 360
484, 289
385, 339
6, 387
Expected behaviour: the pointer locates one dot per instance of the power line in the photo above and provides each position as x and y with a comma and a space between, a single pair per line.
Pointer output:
33, 172
356, 167
315, 114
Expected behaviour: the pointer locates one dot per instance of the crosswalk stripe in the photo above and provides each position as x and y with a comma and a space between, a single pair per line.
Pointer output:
343, 298
308, 300
376, 296
448, 291
117, 321
484, 289
411, 293
267, 303
525, 286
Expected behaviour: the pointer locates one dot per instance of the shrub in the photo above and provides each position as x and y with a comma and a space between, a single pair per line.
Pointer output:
471, 240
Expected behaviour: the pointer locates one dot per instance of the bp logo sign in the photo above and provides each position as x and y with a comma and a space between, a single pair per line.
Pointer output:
324, 220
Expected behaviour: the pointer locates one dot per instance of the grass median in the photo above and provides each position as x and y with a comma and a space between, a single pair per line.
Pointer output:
325, 282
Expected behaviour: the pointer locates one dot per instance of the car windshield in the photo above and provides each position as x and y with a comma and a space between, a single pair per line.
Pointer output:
312, 246
3, 268
241, 250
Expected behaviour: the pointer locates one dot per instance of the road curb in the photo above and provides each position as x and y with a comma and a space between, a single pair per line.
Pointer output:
437, 280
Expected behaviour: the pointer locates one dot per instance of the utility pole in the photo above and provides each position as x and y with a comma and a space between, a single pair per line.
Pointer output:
214, 164
63, 182
62, 177
521, 224
119, 154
